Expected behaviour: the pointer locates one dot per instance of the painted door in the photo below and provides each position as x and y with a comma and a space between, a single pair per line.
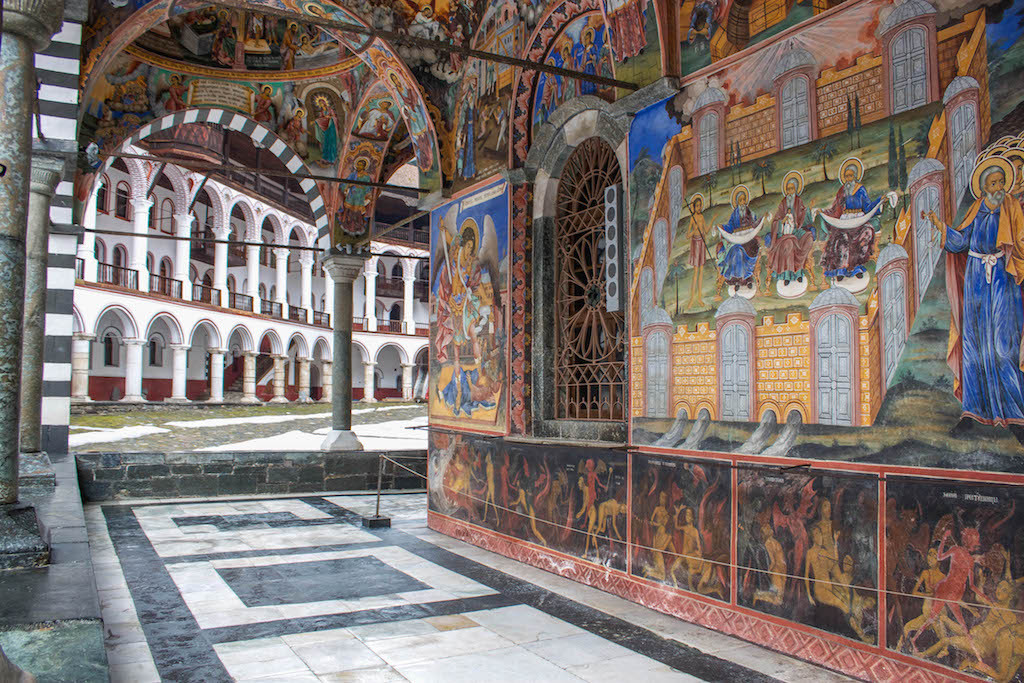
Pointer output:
963, 135
735, 374
657, 375
796, 127
835, 370
709, 143
926, 242
894, 315
909, 70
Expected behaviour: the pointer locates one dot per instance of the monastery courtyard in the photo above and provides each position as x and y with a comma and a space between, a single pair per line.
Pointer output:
294, 589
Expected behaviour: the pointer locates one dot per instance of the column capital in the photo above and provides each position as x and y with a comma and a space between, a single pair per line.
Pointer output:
306, 258
408, 365
134, 342
344, 267
369, 363
279, 356
281, 252
46, 173
251, 353
81, 336
325, 363
214, 352
179, 347
141, 204
35, 20
303, 359
184, 220
222, 232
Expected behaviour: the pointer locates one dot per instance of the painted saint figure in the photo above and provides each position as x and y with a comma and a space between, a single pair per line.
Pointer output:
792, 235
326, 131
176, 94
984, 273
739, 258
698, 255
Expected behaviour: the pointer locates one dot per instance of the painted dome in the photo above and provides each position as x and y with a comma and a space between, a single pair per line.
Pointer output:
735, 305
923, 168
909, 9
834, 296
892, 252
710, 96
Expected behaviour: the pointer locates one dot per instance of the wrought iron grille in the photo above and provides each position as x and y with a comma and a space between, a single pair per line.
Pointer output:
590, 341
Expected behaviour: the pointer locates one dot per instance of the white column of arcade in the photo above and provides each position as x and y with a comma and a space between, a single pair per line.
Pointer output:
306, 269
133, 371
252, 275
81, 347
370, 277
220, 261
217, 375
369, 379
279, 379
87, 249
281, 254
140, 240
179, 366
183, 253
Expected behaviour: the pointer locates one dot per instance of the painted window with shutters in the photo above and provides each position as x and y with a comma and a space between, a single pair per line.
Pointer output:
894, 319
709, 143
657, 374
963, 135
736, 373
835, 370
796, 124
908, 63
926, 242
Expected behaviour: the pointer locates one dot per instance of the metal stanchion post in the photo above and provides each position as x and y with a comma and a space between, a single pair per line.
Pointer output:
378, 522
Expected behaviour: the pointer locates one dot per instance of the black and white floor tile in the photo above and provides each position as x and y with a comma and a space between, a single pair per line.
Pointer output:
294, 589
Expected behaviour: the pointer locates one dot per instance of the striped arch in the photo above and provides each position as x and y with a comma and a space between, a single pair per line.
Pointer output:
239, 123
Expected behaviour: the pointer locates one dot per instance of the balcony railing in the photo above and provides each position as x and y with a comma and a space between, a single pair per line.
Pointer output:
321, 319
79, 269
206, 295
297, 314
239, 302
393, 288
271, 308
422, 331
110, 274
359, 324
158, 284
392, 326
421, 289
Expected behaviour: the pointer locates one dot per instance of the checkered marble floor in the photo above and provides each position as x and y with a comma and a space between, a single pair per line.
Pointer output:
294, 589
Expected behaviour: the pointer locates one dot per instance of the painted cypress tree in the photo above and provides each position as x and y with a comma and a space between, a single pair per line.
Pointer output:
856, 115
849, 120
903, 168
894, 177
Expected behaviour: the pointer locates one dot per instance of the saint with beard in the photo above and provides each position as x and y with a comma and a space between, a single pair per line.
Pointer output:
737, 265
792, 236
847, 252
984, 273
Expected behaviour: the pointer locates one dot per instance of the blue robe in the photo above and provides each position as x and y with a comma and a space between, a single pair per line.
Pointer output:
847, 252
991, 381
469, 153
737, 265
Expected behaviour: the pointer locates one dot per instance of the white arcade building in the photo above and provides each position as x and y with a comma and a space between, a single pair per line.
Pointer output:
160, 315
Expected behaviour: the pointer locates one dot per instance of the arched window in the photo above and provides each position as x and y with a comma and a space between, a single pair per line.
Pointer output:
382, 270
589, 363
908, 69
708, 135
796, 120
111, 348
894, 318
396, 312
273, 292
149, 261
835, 370
926, 243
167, 217
122, 194
963, 134
165, 267
102, 195
156, 351
735, 373
263, 292
99, 251
154, 224
120, 262
231, 283
396, 271
657, 374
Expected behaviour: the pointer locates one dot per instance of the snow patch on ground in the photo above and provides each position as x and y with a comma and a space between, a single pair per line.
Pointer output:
270, 419
120, 434
393, 435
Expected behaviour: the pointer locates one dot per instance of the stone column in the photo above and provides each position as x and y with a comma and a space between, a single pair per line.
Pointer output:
252, 275
179, 369
343, 268
249, 377
325, 381
140, 240
220, 262
370, 300
183, 253
133, 371
81, 347
306, 271
409, 322
281, 254
304, 379
27, 28
369, 380
46, 173
217, 375
87, 249
329, 295
279, 379
407, 369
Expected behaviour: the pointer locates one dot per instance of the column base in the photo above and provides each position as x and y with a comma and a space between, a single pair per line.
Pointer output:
134, 399
21, 544
341, 440
173, 399
81, 399
367, 400
279, 399
249, 399
35, 469
219, 399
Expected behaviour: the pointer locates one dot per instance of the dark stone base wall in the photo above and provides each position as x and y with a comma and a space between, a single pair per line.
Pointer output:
108, 476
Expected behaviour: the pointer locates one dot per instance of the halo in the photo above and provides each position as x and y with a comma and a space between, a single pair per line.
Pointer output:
589, 31
694, 198
1005, 140
856, 163
1016, 153
991, 151
1004, 164
387, 102
793, 175
299, 111
321, 101
735, 191
471, 224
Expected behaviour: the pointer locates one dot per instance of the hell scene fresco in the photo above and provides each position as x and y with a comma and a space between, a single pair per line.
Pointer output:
681, 514
572, 500
469, 300
954, 568
807, 549
803, 221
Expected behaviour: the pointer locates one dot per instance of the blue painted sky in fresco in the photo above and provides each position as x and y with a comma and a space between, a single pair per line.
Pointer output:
651, 129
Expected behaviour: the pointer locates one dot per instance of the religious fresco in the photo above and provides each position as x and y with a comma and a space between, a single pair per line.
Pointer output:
789, 213
963, 543
807, 549
377, 116
682, 514
568, 499
469, 311
581, 46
